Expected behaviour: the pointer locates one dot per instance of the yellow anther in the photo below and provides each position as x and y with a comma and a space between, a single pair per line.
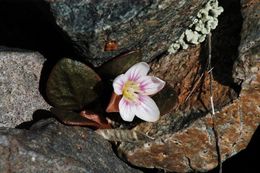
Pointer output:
130, 90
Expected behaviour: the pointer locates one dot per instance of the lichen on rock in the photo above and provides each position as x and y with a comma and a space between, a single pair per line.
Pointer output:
206, 20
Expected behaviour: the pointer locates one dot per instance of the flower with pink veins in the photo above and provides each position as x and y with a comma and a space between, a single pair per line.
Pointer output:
135, 87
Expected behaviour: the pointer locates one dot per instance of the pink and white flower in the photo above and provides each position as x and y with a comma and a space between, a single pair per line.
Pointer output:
135, 87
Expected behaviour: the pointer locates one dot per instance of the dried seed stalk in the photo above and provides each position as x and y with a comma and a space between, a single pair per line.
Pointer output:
212, 102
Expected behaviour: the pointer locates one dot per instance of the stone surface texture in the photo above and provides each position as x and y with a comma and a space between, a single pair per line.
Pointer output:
184, 140
194, 148
52, 147
150, 26
19, 87
250, 38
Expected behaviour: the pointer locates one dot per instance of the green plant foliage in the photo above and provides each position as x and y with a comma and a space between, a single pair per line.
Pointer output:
165, 99
72, 85
120, 64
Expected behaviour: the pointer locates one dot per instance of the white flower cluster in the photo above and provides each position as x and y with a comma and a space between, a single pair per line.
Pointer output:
206, 20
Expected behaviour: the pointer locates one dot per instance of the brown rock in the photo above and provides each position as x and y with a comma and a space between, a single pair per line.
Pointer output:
194, 148
184, 140
185, 73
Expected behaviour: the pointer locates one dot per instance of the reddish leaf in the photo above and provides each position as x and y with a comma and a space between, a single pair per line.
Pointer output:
103, 124
113, 103
76, 119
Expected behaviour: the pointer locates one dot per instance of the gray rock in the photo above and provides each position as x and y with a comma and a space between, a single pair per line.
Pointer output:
147, 25
52, 147
19, 87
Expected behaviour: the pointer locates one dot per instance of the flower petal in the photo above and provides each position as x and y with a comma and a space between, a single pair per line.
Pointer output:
137, 70
150, 85
126, 110
147, 109
119, 83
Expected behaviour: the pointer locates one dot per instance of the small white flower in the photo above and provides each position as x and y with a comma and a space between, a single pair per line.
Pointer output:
135, 87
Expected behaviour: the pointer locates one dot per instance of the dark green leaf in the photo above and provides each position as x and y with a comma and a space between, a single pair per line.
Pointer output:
120, 64
72, 85
166, 99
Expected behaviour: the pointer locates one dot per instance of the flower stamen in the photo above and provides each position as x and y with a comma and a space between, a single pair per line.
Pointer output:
131, 90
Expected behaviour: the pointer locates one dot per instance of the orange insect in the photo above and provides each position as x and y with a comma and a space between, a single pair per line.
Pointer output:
111, 45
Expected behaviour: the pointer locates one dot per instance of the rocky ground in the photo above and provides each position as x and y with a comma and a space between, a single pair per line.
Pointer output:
35, 35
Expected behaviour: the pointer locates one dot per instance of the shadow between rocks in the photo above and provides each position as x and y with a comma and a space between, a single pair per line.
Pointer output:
37, 116
225, 43
29, 26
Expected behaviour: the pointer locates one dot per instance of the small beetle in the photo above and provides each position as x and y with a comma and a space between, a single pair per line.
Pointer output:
111, 45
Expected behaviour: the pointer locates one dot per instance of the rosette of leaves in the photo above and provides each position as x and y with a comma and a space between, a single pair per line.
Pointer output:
76, 91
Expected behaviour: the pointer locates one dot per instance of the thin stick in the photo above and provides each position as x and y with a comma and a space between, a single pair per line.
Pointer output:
194, 87
212, 102
210, 74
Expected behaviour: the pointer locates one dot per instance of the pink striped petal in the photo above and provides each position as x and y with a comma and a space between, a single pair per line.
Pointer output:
150, 85
126, 110
137, 70
147, 109
119, 83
